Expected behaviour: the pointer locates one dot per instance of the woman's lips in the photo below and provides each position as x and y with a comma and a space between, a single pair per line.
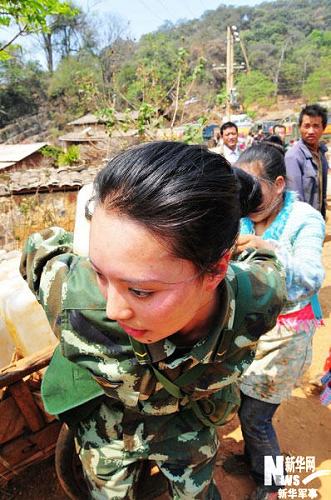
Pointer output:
131, 331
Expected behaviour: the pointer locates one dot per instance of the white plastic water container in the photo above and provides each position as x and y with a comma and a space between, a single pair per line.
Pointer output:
7, 346
23, 323
82, 225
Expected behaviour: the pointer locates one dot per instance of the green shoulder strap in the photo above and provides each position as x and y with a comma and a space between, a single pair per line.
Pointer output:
67, 385
186, 378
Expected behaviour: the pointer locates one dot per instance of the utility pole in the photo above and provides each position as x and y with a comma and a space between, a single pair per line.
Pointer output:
244, 54
229, 69
232, 36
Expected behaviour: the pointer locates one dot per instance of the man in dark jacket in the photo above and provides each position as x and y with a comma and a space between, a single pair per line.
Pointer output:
306, 163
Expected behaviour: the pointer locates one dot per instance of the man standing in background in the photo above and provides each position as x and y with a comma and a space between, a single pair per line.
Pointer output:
229, 134
280, 131
229, 149
306, 163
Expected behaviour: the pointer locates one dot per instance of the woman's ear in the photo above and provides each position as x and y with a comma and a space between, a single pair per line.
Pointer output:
280, 184
220, 270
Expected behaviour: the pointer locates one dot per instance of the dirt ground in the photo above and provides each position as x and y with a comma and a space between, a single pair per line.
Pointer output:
302, 423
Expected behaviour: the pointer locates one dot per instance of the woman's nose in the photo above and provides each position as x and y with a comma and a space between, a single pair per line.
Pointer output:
117, 307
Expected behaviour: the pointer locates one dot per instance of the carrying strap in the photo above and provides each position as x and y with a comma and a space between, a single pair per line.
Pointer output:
174, 388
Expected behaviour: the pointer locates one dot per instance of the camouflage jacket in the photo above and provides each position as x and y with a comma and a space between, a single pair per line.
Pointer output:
135, 375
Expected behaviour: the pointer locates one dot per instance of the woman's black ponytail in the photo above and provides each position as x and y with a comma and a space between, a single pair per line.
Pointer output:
250, 194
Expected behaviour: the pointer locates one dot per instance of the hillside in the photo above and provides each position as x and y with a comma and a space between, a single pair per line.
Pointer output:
288, 46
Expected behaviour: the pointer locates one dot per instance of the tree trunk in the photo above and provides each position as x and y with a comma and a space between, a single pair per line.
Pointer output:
281, 59
48, 49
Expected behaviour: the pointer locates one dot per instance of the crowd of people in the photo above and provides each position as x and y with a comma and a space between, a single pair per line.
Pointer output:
197, 301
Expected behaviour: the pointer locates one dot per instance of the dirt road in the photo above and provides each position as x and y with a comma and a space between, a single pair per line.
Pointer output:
303, 426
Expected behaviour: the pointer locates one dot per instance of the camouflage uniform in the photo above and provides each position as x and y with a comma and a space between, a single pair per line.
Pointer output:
139, 418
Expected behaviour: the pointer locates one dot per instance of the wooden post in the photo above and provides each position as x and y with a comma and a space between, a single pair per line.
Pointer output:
29, 409
229, 69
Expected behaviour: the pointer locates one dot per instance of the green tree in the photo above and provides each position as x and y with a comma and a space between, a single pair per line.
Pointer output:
28, 16
255, 88
151, 72
318, 83
77, 81
64, 35
22, 88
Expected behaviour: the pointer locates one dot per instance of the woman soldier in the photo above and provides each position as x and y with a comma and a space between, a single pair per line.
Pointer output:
155, 327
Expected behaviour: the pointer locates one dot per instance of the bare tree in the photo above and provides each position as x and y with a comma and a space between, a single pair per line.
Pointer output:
64, 36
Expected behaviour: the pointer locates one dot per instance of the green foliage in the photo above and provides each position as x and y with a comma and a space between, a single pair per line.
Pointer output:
31, 12
78, 81
69, 157
51, 152
255, 89
318, 83
61, 158
29, 16
221, 97
251, 113
290, 77
146, 114
22, 89
108, 115
148, 77
193, 131
288, 43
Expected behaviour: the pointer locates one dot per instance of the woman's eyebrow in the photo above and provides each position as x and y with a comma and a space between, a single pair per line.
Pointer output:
132, 280
136, 281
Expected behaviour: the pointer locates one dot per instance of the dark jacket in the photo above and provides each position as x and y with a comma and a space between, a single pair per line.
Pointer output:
302, 174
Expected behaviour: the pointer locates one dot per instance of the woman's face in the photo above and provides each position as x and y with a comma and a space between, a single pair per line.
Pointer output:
149, 292
272, 192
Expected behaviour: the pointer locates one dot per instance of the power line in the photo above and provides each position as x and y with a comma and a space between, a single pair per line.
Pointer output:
188, 8
165, 8
149, 9
203, 6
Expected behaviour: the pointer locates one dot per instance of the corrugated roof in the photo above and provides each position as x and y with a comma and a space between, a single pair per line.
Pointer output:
84, 137
91, 119
88, 119
17, 152
122, 117
47, 179
100, 136
6, 164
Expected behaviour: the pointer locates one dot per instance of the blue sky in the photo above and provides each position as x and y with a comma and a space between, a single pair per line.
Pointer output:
147, 15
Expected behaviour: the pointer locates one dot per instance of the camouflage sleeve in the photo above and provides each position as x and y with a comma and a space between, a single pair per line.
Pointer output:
260, 296
45, 263
263, 287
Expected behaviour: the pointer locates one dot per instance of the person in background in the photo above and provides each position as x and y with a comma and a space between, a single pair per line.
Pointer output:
156, 325
295, 232
280, 131
229, 147
274, 140
260, 135
249, 139
306, 163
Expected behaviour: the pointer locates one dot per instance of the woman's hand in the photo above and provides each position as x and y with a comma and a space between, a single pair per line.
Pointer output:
251, 241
